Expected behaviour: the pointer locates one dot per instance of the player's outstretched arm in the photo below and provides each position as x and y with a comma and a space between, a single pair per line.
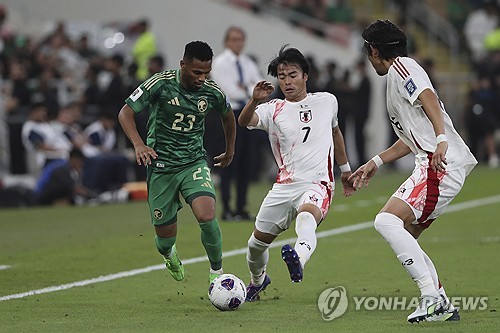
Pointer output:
341, 159
362, 176
261, 91
143, 153
229, 125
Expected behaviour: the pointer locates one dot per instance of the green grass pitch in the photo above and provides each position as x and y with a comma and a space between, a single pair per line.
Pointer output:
50, 247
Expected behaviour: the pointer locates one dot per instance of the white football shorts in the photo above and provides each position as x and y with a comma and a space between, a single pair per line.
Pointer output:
279, 208
429, 193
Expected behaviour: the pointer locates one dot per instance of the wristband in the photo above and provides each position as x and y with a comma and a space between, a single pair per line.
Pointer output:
345, 167
378, 161
440, 138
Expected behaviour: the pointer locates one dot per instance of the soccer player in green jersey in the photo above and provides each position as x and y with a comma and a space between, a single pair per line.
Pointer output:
178, 101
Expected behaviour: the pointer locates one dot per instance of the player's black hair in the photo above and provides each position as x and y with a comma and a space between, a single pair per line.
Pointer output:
198, 50
387, 38
288, 56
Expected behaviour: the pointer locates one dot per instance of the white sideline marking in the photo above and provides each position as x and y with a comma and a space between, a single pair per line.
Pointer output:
322, 234
5, 267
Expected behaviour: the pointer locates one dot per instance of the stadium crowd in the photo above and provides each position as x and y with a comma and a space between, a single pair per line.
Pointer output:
72, 92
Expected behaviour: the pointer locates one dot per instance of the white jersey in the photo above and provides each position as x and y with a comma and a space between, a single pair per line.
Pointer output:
301, 138
406, 79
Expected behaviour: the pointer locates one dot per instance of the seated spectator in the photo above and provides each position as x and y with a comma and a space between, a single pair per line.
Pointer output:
105, 168
42, 142
60, 182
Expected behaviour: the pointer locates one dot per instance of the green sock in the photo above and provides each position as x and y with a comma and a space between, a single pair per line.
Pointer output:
211, 238
164, 245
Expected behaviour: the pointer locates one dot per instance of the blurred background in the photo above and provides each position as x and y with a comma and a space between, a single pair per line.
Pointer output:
66, 68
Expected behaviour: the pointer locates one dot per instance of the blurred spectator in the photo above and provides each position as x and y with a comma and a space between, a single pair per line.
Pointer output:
478, 24
66, 125
361, 110
156, 64
60, 182
492, 40
313, 77
47, 90
105, 167
20, 93
115, 92
457, 11
144, 48
236, 74
85, 50
101, 135
42, 142
340, 11
481, 121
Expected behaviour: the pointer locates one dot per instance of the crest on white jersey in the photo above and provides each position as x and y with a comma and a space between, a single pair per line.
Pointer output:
305, 116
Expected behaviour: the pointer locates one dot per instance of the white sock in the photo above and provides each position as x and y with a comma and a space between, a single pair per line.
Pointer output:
407, 250
257, 258
432, 269
305, 227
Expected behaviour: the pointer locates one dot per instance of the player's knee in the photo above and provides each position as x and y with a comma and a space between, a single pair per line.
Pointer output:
305, 221
255, 245
386, 221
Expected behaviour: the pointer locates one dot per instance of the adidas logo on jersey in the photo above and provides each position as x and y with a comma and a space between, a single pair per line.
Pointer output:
174, 101
206, 184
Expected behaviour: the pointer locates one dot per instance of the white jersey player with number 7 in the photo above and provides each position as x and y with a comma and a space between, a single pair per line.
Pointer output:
305, 139
442, 161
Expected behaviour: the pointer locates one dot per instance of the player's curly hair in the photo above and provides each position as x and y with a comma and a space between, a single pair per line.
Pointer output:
287, 56
387, 38
198, 50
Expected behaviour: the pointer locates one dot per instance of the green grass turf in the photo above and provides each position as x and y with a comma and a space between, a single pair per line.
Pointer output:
53, 246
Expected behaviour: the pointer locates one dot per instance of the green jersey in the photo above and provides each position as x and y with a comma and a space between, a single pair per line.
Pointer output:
176, 121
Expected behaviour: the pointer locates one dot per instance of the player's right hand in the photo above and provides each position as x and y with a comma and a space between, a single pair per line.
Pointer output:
262, 90
223, 160
144, 154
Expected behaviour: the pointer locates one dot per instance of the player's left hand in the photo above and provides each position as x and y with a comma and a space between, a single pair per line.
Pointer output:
347, 185
361, 177
223, 160
438, 162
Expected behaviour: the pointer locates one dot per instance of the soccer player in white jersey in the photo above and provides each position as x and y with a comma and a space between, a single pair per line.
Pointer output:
442, 161
303, 131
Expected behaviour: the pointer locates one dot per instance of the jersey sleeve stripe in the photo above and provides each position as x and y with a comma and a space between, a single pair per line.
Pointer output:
400, 68
157, 77
213, 85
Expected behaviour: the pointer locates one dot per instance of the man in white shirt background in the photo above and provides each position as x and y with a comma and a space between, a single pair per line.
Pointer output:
236, 73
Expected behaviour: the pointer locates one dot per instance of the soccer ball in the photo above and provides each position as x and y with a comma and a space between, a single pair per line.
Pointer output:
227, 292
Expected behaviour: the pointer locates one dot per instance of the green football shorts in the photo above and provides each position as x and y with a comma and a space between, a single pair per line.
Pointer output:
164, 189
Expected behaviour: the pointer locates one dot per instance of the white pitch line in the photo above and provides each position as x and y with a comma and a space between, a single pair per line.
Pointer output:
321, 234
5, 267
